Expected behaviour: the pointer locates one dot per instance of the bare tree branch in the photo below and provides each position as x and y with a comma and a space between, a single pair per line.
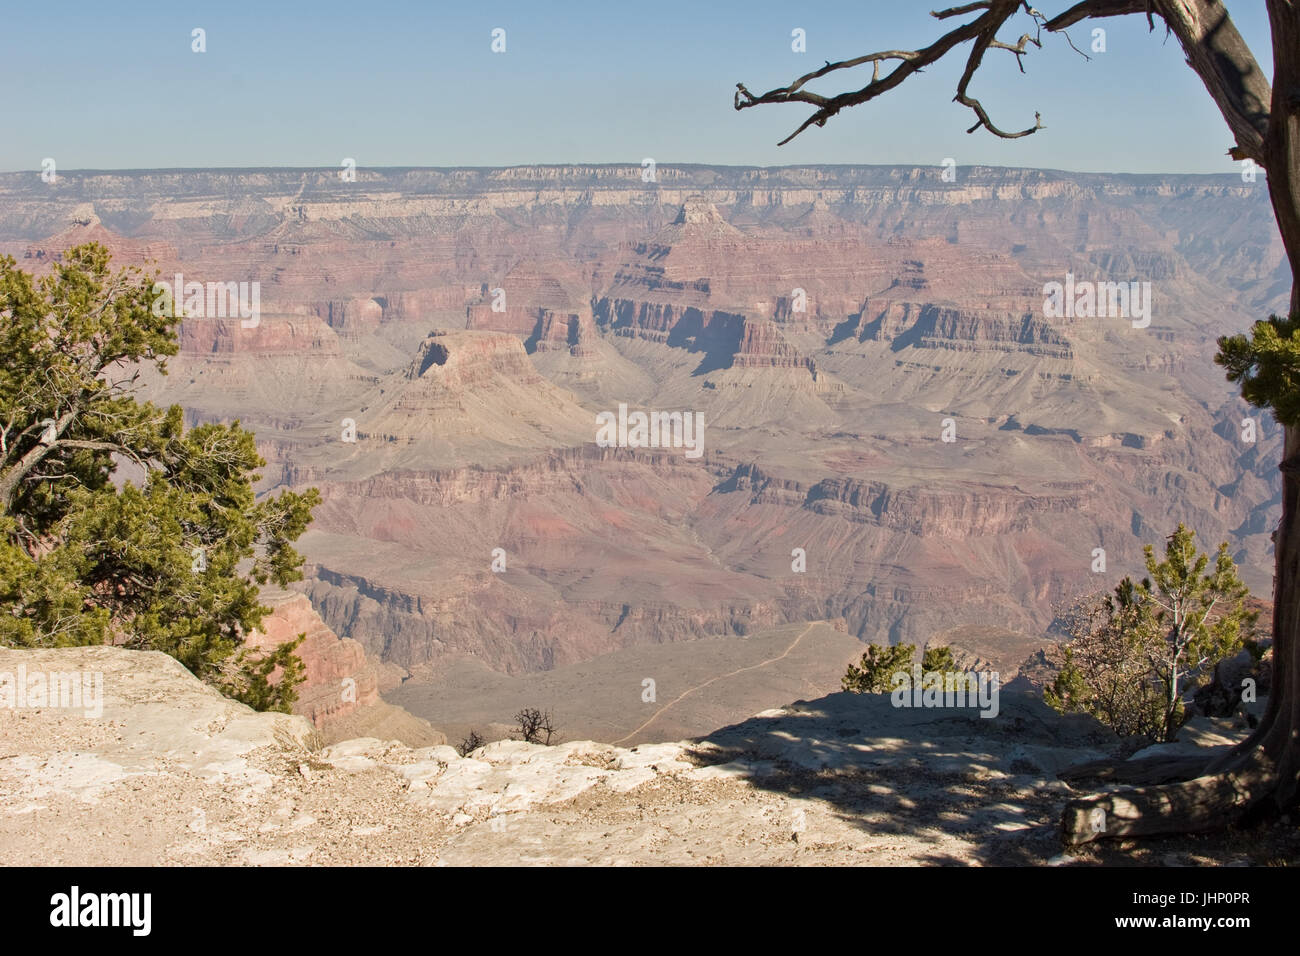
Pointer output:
1093, 10
1214, 50
983, 30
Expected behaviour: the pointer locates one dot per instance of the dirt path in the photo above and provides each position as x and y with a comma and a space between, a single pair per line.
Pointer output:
740, 670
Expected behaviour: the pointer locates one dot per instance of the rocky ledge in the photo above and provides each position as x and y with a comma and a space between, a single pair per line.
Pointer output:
170, 772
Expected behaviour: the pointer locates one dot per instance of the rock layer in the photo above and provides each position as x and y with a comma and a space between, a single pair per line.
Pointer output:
868, 348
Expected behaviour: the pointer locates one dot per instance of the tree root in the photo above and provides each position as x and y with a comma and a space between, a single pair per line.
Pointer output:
1147, 771
1246, 782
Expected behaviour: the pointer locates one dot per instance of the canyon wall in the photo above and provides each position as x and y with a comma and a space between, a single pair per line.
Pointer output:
882, 389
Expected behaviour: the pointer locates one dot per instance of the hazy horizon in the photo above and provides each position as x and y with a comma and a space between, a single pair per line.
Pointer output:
660, 164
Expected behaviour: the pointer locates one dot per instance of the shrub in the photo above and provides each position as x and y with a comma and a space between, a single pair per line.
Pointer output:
1135, 653
470, 744
535, 726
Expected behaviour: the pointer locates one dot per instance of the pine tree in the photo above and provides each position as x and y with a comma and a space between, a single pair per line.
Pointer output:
168, 557
874, 673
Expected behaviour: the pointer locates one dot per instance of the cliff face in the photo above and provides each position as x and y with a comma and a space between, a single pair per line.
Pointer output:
956, 511
867, 347
339, 679
934, 327
340, 692
278, 336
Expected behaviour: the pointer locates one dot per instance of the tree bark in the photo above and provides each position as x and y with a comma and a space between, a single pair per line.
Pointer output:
11, 477
1217, 54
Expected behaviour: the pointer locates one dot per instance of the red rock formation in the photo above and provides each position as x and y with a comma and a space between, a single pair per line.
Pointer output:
469, 390
922, 304
272, 335
340, 681
763, 346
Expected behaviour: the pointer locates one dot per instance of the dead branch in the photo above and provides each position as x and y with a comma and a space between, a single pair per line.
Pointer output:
1215, 51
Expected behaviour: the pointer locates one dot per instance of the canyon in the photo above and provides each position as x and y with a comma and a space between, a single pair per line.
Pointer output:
883, 391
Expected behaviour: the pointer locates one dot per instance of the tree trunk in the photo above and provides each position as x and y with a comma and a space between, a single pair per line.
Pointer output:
1171, 703
1262, 773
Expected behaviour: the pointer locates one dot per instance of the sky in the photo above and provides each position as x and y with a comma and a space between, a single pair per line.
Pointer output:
97, 85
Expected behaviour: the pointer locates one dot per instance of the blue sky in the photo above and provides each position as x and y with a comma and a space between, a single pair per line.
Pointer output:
115, 86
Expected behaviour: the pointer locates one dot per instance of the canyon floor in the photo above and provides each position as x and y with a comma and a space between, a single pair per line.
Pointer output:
697, 686
172, 773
